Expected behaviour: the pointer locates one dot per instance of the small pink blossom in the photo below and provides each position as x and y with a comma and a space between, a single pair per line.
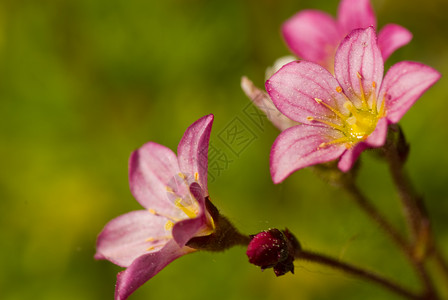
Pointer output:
314, 35
344, 114
172, 190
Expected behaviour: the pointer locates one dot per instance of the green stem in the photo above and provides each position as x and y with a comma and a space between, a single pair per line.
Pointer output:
413, 205
363, 202
359, 272
422, 239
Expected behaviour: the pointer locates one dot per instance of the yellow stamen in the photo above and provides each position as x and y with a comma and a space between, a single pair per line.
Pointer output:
336, 141
188, 210
150, 248
169, 190
363, 97
335, 111
340, 128
169, 225
339, 89
156, 213
350, 107
196, 176
382, 112
182, 175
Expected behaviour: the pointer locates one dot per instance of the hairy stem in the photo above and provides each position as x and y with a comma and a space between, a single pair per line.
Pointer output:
363, 202
358, 272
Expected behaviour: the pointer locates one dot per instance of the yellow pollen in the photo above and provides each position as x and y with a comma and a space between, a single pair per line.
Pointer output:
150, 248
373, 84
182, 175
169, 225
196, 176
152, 211
169, 190
151, 239
338, 89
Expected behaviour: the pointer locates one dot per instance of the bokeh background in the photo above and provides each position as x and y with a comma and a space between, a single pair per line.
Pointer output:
85, 82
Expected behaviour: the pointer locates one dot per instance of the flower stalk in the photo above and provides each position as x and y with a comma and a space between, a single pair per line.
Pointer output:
395, 153
358, 272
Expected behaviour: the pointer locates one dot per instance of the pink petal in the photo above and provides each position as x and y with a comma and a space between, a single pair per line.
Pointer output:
391, 37
354, 14
312, 35
359, 55
294, 87
349, 158
145, 267
184, 230
126, 237
298, 147
151, 169
403, 84
265, 104
378, 137
193, 150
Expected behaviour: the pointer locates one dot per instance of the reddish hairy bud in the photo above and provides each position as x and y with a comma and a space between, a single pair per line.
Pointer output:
273, 249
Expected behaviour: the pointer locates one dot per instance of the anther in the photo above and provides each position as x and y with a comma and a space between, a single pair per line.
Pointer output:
169, 225
196, 176
338, 89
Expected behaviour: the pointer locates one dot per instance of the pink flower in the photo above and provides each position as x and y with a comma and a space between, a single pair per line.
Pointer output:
172, 190
341, 115
314, 35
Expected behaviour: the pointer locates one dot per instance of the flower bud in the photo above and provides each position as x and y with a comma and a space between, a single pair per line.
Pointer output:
273, 249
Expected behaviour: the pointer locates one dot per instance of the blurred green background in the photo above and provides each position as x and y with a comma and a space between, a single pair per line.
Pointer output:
85, 82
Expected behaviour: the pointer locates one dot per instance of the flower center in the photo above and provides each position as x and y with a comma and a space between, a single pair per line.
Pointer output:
360, 124
356, 123
179, 194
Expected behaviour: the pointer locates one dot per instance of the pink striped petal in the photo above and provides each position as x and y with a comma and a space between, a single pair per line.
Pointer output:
359, 56
378, 137
391, 37
151, 169
265, 104
126, 237
403, 84
145, 267
193, 150
354, 14
350, 156
312, 35
294, 87
184, 230
298, 147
